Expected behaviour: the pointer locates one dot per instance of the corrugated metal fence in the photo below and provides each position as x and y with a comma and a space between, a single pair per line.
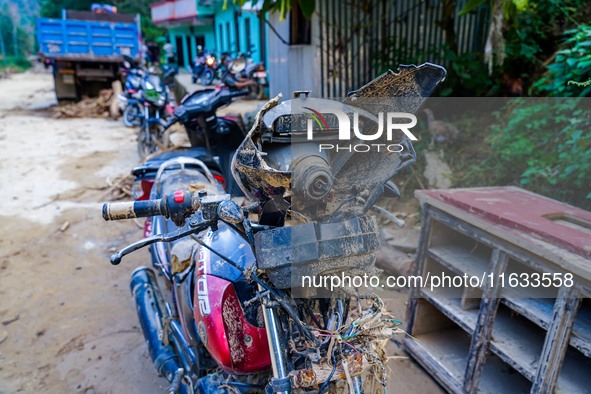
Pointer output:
358, 39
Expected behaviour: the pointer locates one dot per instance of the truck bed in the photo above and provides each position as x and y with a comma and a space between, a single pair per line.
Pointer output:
67, 39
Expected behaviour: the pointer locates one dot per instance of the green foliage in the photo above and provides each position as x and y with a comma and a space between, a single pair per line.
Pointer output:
15, 63
53, 8
282, 6
466, 74
307, 7
541, 145
581, 84
510, 7
532, 34
469, 76
572, 63
25, 42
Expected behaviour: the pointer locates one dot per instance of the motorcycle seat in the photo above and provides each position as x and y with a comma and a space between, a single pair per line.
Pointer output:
154, 163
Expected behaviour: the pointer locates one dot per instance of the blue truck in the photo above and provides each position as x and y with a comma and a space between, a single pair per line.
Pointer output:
86, 49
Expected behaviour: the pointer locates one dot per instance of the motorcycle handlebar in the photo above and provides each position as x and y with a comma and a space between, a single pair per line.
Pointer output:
133, 209
171, 122
177, 206
241, 92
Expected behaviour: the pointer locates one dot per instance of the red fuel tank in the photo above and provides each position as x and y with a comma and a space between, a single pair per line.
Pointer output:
237, 347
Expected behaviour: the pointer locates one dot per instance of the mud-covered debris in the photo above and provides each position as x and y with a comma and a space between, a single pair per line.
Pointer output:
96, 107
119, 188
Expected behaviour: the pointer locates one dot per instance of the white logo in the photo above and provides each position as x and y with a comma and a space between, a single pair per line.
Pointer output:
345, 125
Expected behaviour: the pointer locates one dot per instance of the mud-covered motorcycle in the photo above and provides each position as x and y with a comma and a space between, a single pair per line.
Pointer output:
155, 102
218, 135
237, 319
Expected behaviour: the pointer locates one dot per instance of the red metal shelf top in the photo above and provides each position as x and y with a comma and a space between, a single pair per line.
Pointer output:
554, 222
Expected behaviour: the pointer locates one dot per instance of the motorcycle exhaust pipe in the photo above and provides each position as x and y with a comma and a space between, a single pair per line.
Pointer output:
150, 309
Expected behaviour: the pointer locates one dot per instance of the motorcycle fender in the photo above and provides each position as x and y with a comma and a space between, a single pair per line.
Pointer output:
236, 346
152, 121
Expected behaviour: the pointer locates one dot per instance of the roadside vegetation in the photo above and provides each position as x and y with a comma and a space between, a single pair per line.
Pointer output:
543, 145
14, 64
17, 21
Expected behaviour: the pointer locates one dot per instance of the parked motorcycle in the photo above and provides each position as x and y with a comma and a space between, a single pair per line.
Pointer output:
168, 74
249, 70
235, 321
222, 65
256, 72
134, 74
204, 68
156, 108
130, 100
218, 135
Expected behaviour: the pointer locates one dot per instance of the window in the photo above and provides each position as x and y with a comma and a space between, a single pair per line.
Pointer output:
300, 29
247, 33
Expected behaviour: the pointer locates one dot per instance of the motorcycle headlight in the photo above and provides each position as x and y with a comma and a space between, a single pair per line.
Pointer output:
210, 60
151, 95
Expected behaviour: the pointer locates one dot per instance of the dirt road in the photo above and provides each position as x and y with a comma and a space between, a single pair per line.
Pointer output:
77, 331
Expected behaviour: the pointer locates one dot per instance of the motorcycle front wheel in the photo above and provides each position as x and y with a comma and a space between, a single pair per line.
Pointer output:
156, 139
207, 77
132, 115
256, 91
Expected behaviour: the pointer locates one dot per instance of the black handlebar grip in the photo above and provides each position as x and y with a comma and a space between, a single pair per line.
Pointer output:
133, 209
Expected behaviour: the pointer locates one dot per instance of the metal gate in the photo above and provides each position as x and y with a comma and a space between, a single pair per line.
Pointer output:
359, 39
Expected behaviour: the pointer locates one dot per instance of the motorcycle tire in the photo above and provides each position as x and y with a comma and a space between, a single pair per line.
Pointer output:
260, 92
132, 115
256, 92
159, 139
207, 77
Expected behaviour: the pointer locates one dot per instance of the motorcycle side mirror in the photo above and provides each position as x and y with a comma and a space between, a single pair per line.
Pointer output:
230, 212
391, 190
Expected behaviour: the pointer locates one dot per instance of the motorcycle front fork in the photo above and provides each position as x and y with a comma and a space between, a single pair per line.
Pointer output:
278, 362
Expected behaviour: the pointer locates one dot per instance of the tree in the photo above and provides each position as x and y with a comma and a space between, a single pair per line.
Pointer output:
14, 36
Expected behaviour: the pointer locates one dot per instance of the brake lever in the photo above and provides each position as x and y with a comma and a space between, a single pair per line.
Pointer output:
194, 227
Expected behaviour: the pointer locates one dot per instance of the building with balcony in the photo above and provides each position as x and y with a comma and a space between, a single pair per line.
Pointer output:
191, 23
